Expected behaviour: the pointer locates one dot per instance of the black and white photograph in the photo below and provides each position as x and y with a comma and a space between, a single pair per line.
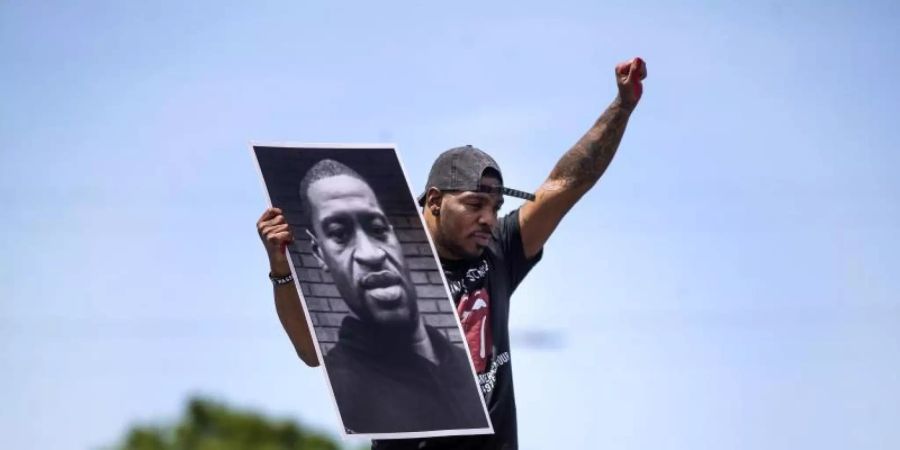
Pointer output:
372, 290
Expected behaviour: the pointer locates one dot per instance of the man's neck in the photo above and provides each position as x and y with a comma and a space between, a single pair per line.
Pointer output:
444, 253
422, 344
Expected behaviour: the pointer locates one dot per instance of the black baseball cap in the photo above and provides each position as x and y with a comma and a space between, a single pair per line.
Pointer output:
461, 169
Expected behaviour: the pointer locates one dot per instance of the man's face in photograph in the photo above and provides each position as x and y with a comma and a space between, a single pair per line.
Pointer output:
357, 245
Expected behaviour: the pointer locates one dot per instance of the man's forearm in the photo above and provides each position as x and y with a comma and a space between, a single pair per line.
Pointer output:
585, 162
276, 235
290, 313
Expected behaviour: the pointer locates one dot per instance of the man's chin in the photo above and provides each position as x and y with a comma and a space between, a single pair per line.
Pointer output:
395, 321
388, 310
474, 252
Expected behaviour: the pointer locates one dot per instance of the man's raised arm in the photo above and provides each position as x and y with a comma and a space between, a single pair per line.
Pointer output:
580, 168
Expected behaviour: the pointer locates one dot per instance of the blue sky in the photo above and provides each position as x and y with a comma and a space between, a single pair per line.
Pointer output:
730, 283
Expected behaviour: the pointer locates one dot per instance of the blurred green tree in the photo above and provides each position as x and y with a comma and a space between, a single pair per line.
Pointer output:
211, 425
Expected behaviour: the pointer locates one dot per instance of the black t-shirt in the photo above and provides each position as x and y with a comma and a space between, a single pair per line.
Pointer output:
481, 289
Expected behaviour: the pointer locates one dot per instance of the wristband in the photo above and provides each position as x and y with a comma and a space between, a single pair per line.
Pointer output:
280, 281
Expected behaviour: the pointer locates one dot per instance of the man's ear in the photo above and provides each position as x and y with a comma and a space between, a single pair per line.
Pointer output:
317, 250
433, 200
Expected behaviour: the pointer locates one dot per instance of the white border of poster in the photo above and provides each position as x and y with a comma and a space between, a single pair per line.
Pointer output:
404, 435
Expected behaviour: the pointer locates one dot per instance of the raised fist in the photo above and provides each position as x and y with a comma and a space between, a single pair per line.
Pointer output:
628, 76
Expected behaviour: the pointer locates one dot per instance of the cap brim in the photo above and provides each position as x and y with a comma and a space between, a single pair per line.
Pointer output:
506, 191
491, 190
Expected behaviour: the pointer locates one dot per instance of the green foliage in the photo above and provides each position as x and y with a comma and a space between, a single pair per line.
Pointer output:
209, 425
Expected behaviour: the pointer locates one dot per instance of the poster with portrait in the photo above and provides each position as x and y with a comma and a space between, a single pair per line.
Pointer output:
372, 290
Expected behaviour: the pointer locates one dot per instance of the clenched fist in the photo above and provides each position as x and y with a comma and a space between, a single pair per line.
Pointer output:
628, 76
276, 235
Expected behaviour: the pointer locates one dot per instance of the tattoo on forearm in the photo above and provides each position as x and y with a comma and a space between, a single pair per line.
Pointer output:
586, 161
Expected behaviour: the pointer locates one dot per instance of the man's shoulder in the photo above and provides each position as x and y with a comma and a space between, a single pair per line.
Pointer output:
506, 224
337, 356
346, 359
506, 229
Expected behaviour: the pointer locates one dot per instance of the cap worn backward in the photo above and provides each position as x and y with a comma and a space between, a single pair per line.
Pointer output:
459, 169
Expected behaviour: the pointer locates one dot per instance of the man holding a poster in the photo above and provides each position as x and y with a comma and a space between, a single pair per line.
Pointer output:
485, 257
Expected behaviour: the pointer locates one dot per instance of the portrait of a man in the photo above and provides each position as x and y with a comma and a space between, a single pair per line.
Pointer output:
389, 370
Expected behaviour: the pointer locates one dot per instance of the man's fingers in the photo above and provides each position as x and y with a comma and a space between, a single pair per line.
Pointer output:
632, 70
281, 228
268, 214
276, 219
642, 68
635, 71
275, 233
273, 230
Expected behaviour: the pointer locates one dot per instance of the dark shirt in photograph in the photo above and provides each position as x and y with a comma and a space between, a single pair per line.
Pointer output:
383, 387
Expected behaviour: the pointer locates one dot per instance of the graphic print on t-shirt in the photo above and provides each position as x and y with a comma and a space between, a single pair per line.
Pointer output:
473, 307
473, 313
